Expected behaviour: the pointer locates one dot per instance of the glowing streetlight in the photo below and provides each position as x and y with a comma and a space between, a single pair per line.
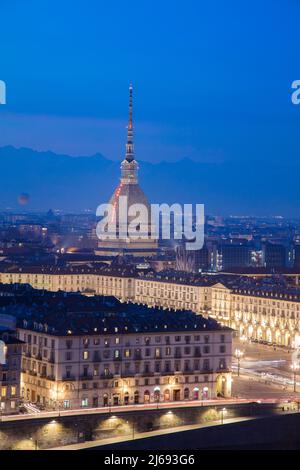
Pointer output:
157, 395
295, 368
243, 339
223, 412
238, 355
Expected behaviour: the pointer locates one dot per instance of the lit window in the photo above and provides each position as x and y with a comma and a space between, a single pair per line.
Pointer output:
85, 355
84, 402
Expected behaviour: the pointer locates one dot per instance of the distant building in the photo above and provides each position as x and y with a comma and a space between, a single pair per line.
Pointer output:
262, 311
230, 254
192, 261
274, 255
297, 256
113, 244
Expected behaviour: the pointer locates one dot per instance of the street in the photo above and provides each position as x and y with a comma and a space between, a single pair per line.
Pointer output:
264, 372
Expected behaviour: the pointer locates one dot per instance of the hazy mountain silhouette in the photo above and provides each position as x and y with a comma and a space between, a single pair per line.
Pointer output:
77, 183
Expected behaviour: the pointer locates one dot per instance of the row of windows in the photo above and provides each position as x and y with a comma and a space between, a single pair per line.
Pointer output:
158, 285
146, 368
260, 301
147, 352
39, 340
147, 340
5, 391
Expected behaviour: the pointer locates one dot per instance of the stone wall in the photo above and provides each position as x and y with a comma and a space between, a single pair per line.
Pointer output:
48, 432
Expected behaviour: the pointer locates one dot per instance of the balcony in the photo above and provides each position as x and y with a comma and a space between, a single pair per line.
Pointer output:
67, 378
86, 377
117, 359
128, 374
106, 376
137, 357
223, 370
50, 377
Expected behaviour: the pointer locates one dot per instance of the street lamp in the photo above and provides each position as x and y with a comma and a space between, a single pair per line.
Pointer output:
223, 411
294, 367
35, 443
238, 354
157, 396
243, 339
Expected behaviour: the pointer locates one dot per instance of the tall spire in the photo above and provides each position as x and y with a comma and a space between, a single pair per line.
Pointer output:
129, 145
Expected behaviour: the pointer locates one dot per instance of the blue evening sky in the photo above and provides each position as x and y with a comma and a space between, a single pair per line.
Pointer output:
212, 79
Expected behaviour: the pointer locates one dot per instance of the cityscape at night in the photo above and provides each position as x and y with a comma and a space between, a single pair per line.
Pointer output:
149, 228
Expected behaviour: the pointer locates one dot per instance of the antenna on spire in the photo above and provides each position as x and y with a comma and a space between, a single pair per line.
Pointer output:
129, 145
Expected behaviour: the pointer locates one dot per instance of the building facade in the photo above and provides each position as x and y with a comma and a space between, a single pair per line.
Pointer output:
262, 312
269, 315
10, 370
156, 357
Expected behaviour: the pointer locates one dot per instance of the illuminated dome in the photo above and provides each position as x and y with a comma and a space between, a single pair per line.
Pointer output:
129, 188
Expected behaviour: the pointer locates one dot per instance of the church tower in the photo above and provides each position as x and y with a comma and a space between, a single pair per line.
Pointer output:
142, 246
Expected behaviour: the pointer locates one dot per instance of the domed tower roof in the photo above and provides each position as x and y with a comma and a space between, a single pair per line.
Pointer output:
129, 190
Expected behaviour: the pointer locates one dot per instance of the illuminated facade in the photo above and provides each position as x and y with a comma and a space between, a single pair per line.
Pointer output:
121, 242
270, 315
154, 360
10, 370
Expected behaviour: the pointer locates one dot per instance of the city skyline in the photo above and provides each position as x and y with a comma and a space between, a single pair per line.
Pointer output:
149, 228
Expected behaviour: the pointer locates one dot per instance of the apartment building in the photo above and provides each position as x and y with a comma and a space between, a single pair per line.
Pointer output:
10, 366
174, 291
116, 281
257, 307
259, 311
124, 354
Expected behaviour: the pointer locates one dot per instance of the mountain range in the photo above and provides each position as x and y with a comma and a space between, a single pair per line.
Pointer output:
78, 183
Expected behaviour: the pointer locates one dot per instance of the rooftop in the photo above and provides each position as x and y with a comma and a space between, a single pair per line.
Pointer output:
52, 269
61, 314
